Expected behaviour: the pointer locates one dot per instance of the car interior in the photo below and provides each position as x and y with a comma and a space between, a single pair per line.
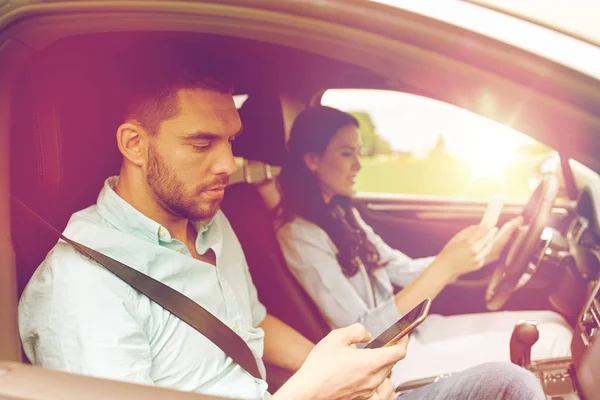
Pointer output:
63, 148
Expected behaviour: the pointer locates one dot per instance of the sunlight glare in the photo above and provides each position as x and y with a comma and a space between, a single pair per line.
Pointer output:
489, 162
487, 154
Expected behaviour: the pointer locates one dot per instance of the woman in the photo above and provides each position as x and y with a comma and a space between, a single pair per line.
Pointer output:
349, 271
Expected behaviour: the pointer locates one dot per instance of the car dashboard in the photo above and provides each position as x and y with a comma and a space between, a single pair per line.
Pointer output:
586, 348
583, 238
584, 235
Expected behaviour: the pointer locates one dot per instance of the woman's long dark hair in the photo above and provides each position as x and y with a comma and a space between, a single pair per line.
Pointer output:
311, 132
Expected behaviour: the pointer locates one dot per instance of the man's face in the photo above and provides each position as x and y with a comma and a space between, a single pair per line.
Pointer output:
190, 158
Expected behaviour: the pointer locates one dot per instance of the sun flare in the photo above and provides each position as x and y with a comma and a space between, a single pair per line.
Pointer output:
488, 157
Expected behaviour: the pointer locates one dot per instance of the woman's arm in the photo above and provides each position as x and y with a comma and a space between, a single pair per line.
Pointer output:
465, 252
428, 284
401, 269
311, 256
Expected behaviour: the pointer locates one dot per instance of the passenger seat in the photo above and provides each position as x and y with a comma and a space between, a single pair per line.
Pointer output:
248, 203
278, 289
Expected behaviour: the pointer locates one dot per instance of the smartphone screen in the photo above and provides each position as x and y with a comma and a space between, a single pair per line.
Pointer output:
402, 327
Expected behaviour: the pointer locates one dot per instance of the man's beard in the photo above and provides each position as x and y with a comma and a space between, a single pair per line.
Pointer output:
170, 191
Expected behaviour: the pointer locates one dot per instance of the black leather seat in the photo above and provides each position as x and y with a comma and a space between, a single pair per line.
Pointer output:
278, 289
62, 149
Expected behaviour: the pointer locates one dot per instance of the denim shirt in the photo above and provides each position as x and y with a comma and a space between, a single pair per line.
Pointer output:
77, 317
312, 258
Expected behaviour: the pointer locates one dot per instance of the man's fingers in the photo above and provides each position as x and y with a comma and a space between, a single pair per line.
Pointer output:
352, 334
386, 390
373, 396
403, 343
402, 347
387, 356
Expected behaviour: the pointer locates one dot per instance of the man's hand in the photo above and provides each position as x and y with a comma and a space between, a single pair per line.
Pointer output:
467, 251
502, 238
336, 369
385, 391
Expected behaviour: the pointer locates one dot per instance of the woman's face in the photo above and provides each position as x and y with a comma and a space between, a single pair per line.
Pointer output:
337, 167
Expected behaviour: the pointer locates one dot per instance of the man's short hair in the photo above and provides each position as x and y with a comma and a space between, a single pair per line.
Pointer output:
155, 72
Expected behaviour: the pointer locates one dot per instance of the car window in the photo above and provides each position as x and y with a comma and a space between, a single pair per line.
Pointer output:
239, 100
417, 145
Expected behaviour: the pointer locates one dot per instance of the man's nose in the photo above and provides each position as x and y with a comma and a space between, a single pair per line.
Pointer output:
225, 163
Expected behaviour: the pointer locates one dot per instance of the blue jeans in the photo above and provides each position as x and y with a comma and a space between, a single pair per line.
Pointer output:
490, 381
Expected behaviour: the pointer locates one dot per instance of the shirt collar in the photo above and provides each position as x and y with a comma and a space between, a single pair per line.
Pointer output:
127, 218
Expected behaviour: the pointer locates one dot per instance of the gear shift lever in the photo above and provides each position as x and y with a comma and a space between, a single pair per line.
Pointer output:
524, 336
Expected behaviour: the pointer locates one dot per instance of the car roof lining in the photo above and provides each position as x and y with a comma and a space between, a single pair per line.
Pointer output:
263, 71
252, 64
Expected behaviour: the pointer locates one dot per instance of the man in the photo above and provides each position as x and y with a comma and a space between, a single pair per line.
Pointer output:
161, 216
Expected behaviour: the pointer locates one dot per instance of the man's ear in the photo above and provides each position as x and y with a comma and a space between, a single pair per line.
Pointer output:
132, 140
312, 161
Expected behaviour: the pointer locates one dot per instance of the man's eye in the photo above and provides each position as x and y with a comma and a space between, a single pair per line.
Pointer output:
201, 147
347, 154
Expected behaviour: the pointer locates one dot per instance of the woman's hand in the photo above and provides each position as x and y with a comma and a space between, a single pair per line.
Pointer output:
467, 251
502, 238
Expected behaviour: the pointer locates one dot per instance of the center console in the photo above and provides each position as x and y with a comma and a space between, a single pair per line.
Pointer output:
588, 323
579, 377
586, 346
557, 378
571, 378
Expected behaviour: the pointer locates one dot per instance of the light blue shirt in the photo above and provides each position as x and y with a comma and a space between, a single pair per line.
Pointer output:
312, 258
78, 317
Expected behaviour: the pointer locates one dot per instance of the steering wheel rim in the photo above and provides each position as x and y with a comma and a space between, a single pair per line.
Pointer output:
516, 259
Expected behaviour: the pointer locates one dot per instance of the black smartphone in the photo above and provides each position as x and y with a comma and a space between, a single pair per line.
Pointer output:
402, 327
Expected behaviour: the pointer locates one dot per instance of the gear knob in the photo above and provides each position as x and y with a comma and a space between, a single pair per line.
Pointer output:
525, 335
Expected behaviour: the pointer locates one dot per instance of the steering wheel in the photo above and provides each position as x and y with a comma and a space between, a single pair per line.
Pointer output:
516, 264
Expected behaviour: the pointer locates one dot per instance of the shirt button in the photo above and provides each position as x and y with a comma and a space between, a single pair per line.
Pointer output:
162, 233
180, 250
235, 325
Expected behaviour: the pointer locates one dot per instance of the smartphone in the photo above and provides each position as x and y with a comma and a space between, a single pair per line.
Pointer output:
402, 327
492, 213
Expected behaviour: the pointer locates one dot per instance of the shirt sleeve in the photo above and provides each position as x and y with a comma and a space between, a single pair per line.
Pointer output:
312, 259
77, 317
401, 269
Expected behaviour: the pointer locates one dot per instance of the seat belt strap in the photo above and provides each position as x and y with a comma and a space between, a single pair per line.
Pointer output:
171, 300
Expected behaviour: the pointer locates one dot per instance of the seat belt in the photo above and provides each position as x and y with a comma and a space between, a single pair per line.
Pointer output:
171, 300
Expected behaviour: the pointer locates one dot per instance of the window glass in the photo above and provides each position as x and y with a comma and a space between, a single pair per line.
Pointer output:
417, 145
239, 100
